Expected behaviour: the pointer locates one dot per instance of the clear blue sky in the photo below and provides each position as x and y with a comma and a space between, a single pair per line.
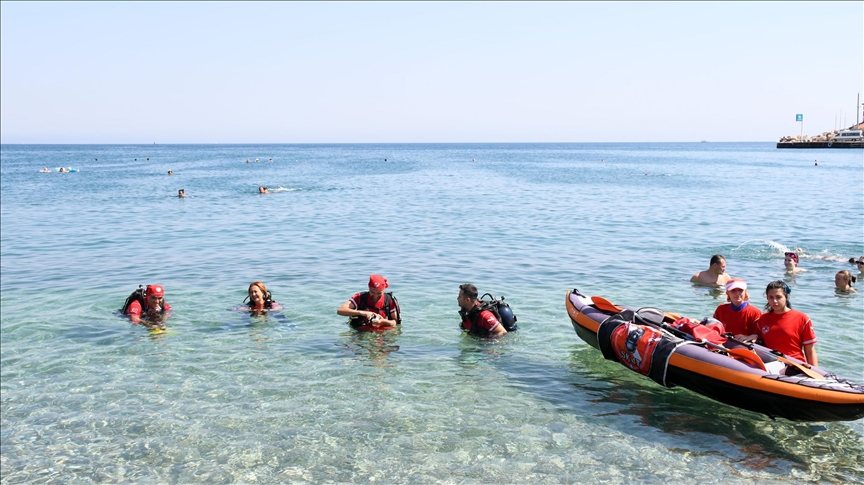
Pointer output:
425, 72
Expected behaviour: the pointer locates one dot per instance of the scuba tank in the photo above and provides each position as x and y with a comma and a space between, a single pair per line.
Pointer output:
502, 311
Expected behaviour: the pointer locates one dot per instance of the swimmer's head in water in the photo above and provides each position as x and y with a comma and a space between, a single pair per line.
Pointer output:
790, 256
262, 189
843, 279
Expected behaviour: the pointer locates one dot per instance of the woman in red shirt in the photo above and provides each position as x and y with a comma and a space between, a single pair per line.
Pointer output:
784, 329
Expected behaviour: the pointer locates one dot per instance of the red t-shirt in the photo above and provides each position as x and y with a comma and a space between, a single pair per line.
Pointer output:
135, 308
374, 306
787, 332
740, 322
486, 320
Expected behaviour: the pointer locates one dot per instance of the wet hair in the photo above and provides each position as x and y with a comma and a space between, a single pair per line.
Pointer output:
469, 290
716, 259
774, 285
849, 276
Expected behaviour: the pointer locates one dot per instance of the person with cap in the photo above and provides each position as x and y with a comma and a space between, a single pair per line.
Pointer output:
738, 315
152, 305
715, 275
790, 260
373, 308
475, 320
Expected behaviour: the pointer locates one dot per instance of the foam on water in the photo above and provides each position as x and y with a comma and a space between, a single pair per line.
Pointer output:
299, 397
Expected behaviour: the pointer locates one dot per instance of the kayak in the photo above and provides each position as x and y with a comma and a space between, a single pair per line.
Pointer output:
747, 376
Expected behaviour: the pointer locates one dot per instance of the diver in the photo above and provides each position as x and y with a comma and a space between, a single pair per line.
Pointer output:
260, 300
147, 304
372, 308
479, 316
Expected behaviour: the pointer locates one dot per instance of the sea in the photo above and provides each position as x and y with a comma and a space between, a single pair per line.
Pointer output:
220, 396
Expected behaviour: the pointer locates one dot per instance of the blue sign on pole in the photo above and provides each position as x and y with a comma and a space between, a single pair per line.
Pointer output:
799, 117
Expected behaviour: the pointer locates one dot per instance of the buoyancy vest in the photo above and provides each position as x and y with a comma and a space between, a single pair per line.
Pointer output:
390, 304
268, 301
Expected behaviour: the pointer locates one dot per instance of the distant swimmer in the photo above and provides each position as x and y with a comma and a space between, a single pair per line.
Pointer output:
271, 160
602, 160
45, 170
263, 190
247, 160
385, 159
170, 172
182, 194
790, 260
802, 255
62, 170
148, 159
473, 159
715, 275
147, 304
256, 160
95, 159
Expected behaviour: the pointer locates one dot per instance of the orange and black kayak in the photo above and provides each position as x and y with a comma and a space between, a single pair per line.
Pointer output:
750, 377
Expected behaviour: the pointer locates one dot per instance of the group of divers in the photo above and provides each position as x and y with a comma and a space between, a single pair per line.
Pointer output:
779, 327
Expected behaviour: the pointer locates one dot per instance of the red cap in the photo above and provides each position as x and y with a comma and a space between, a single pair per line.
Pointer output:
792, 256
377, 282
155, 290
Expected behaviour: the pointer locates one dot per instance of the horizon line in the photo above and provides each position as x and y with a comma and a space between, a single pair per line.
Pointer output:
390, 143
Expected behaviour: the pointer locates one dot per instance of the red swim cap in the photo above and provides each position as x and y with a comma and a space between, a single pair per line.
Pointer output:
377, 282
155, 290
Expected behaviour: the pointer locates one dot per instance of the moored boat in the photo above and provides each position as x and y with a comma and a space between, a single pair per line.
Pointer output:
750, 377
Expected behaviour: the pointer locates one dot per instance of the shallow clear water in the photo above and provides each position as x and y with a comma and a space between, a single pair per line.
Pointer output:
299, 397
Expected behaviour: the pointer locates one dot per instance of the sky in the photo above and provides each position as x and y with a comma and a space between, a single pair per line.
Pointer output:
391, 72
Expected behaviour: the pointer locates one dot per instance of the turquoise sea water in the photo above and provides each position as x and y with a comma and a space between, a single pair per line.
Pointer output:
298, 397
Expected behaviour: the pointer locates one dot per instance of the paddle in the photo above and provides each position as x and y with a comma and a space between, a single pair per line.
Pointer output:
605, 305
804, 368
746, 355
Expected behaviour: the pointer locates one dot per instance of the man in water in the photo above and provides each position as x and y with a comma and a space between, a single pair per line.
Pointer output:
476, 321
372, 307
181, 193
715, 275
152, 307
263, 190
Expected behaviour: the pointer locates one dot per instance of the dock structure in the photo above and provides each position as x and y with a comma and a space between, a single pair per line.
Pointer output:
852, 137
